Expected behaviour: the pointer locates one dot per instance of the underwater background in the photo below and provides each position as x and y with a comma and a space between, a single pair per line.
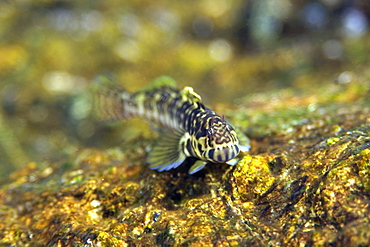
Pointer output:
50, 51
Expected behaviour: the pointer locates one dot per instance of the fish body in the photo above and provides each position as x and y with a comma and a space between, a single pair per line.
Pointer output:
188, 128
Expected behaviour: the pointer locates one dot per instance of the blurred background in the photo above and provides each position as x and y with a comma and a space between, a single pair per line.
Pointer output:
226, 49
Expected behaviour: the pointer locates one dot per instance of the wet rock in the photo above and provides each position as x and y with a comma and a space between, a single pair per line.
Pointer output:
305, 182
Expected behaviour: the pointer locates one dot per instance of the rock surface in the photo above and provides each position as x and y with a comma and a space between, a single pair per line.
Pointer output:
305, 182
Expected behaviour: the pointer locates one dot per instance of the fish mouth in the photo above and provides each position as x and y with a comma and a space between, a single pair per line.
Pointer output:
223, 154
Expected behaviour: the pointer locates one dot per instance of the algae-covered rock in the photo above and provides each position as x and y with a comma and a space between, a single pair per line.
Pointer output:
305, 182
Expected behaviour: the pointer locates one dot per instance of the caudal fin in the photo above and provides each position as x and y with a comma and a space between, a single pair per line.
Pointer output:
108, 100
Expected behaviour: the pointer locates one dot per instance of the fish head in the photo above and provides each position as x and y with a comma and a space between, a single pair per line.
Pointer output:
217, 141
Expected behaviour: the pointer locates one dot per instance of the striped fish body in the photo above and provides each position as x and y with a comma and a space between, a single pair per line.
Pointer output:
189, 128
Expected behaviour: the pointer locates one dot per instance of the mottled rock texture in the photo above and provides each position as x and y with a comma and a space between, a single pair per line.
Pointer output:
305, 182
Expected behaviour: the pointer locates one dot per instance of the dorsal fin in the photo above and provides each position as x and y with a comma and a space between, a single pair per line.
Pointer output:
161, 82
188, 94
168, 82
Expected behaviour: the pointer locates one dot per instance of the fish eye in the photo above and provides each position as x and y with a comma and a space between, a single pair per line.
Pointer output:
210, 132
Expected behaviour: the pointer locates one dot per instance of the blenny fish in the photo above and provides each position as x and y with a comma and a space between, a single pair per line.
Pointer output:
187, 128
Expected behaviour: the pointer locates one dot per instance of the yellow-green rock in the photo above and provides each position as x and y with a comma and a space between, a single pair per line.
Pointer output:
305, 182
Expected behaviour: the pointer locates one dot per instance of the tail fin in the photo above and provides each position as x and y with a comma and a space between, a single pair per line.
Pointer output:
108, 100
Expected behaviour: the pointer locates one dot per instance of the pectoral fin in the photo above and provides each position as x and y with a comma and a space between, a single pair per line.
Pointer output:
233, 162
197, 166
167, 153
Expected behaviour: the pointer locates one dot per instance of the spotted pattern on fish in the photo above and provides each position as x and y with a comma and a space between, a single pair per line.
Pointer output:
189, 129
